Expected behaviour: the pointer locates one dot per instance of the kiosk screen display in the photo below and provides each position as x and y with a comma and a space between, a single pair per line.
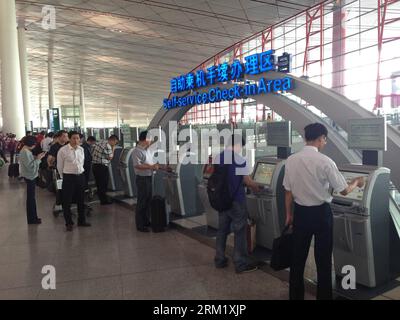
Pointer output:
264, 172
357, 193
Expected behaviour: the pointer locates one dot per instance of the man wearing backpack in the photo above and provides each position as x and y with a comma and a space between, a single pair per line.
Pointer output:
232, 172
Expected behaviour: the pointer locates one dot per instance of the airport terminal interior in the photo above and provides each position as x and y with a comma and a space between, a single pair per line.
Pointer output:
191, 73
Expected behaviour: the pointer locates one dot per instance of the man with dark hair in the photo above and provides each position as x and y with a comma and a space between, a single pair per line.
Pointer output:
144, 166
237, 176
102, 155
61, 139
309, 175
70, 160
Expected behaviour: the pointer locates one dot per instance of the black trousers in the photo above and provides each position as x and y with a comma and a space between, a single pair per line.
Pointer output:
73, 188
314, 221
31, 213
3, 155
100, 173
12, 157
144, 195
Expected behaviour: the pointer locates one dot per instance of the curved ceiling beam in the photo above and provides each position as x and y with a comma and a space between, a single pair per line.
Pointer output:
340, 109
288, 109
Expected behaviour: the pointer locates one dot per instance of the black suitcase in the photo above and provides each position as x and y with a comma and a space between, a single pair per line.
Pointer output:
13, 170
158, 214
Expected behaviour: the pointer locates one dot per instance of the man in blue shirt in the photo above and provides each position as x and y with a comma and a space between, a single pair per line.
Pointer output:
236, 217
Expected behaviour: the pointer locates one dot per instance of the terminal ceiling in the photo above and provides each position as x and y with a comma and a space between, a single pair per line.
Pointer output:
125, 51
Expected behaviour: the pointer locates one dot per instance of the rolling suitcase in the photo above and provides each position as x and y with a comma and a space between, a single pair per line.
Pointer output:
158, 214
13, 170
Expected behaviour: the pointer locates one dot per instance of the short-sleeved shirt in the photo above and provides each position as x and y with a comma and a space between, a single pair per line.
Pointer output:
309, 175
102, 152
142, 156
46, 143
237, 169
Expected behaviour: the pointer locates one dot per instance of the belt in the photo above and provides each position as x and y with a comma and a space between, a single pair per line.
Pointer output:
319, 206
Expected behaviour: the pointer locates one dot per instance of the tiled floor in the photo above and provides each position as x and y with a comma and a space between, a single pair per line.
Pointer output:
111, 260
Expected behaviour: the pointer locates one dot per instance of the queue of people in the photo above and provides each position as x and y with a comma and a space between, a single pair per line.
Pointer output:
309, 176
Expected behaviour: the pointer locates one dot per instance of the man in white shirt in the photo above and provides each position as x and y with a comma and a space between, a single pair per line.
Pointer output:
46, 142
144, 166
309, 176
70, 160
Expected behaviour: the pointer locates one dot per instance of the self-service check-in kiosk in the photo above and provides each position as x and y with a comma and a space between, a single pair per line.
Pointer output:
364, 236
127, 173
172, 190
181, 189
362, 230
210, 213
115, 181
267, 207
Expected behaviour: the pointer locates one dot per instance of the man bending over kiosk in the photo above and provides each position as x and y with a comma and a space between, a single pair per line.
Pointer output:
309, 175
144, 166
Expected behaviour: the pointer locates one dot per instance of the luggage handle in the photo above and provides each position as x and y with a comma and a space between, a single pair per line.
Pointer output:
284, 231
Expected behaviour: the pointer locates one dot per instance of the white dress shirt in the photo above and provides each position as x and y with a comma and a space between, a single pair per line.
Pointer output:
142, 156
45, 144
70, 160
309, 175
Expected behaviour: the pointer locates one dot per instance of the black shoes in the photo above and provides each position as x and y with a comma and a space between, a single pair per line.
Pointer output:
70, 227
37, 221
221, 265
249, 268
143, 229
84, 224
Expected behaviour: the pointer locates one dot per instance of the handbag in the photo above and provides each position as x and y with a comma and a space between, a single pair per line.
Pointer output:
282, 250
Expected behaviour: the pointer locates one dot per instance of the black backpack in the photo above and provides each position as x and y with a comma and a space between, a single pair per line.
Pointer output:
218, 189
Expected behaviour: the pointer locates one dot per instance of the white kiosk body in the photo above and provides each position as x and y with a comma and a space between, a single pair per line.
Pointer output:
267, 208
210, 213
115, 181
362, 224
128, 173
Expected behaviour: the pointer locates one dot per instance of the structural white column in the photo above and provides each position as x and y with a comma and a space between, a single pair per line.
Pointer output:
82, 110
23, 59
51, 84
11, 91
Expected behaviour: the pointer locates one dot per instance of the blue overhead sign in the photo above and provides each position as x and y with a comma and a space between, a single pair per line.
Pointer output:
255, 64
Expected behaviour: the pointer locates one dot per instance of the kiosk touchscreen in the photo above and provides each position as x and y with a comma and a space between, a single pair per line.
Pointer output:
263, 173
358, 193
267, 207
